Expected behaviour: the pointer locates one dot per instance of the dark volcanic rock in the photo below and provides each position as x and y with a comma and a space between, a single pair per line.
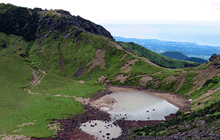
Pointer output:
215, 58
28, 22
22, 55
4, 45
69, 20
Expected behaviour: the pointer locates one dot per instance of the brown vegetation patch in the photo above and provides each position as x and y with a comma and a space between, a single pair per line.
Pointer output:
98, 60
203, 76
127, 67
144, 80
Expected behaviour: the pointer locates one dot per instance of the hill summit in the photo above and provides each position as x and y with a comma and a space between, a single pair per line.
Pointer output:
30, 22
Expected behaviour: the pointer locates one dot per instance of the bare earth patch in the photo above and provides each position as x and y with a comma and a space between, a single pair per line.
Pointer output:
123, 57
55, 126
25, 124
104, 101
120, 77
14, 137
17, 130
36, 79
127, 67
203, 76
144, 80
81, 82
98, 60
102, 78
181, 79
169, 79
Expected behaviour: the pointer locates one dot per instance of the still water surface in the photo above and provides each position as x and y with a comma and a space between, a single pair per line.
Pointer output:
131, 106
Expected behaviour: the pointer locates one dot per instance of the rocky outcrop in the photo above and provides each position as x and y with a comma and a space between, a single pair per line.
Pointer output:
69, 20
216, 59
29, 22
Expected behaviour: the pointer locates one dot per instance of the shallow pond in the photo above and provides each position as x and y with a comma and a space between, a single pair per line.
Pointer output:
130, 106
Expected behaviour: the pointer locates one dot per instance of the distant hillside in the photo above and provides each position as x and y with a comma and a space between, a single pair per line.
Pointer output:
156, 58
198, 60
187, 48
180, 56
175, 55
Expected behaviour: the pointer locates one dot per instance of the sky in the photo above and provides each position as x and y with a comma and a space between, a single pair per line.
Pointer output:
195, 21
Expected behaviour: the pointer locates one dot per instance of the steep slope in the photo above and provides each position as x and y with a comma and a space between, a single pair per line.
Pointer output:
53, 76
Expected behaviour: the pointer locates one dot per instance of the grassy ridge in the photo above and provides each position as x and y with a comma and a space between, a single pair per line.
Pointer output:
156, 58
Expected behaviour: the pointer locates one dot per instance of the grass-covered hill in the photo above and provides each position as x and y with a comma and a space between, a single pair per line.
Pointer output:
54, 61
156, 58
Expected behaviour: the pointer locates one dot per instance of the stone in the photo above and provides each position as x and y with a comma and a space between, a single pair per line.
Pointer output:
22, 55
4, 45
14, 51
19, 49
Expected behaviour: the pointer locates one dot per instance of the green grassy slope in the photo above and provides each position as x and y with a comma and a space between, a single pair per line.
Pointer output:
60, 55
156, 58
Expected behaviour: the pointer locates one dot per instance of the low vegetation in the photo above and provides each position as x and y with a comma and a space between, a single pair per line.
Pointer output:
66, 56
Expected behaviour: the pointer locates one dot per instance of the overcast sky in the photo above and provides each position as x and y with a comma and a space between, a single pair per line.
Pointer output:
177, 20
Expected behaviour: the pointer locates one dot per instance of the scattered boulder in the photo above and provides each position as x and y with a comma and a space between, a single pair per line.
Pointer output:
14, 51
22, 55
4, 45
19, 49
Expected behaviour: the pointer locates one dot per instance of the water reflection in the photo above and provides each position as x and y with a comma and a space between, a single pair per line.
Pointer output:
140, 106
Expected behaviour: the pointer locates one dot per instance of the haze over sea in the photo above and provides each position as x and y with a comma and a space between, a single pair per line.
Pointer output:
194, 21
